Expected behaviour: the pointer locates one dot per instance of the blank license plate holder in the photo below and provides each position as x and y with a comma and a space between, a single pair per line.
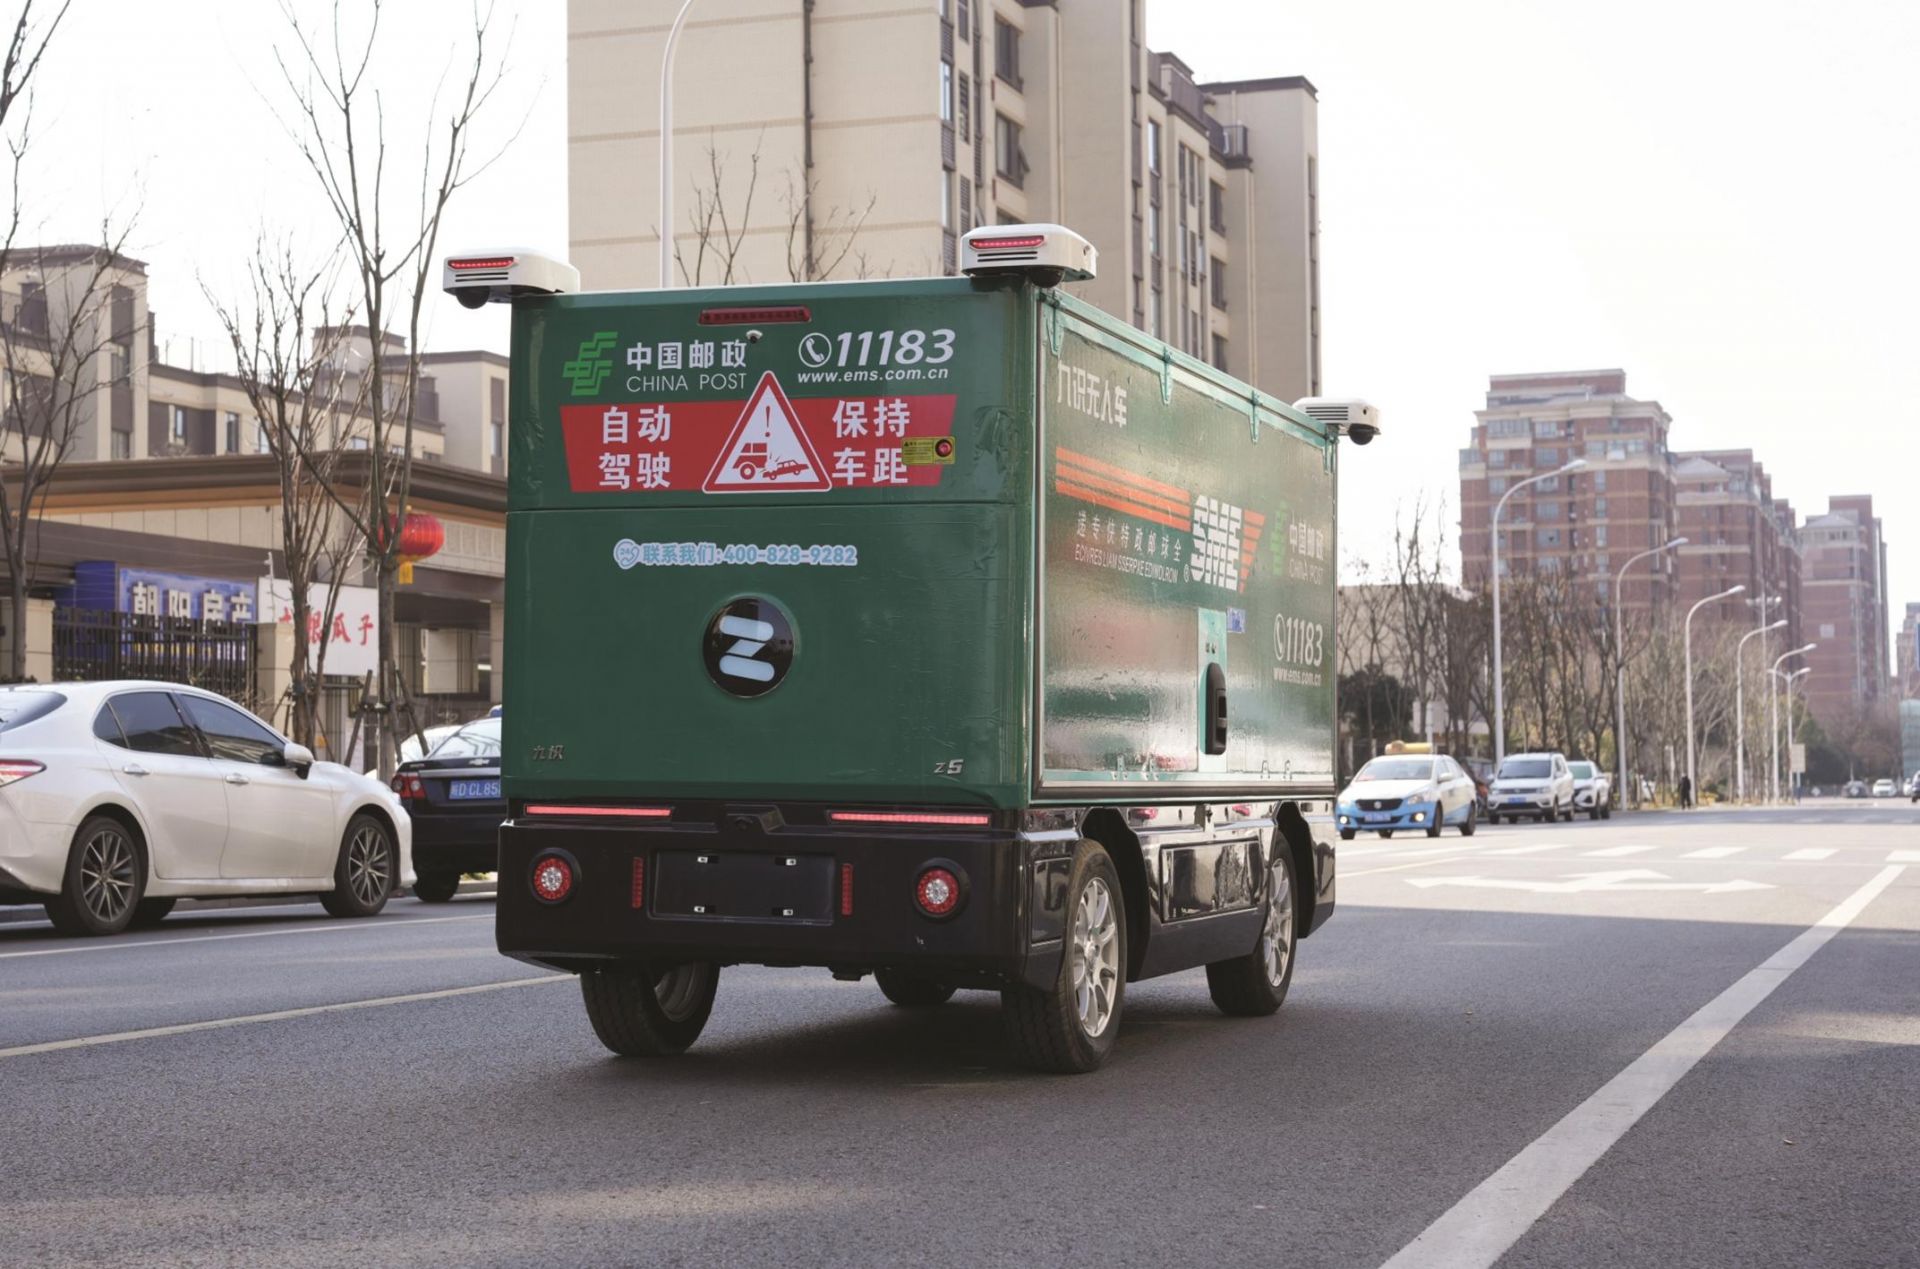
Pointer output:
742, 886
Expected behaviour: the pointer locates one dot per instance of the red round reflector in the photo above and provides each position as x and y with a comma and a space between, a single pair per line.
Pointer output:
937, 892
552, 878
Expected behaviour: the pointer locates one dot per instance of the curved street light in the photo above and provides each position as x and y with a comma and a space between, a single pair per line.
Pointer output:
1499, 684
1739, 706
1693, 776
1773, 721
1620, 661
666, 146
1789, 680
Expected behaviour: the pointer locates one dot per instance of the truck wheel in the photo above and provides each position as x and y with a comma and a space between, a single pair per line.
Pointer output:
1254, 985
1467, 827
640, 1011
436, 887
106, 875
368, 866
1070, 1027
910, 991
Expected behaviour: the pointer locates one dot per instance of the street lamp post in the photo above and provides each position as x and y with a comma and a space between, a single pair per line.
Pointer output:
666, 147
1499, 685
1740, 708
1790, 678
1773, 721
1693, 776
1620, 662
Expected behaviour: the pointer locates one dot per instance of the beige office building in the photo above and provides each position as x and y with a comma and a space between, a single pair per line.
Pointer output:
858, 138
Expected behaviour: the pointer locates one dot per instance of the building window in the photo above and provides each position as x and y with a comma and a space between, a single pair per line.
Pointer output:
1153, 313
1550, 484
1496, 484
122, 446
1219, 283
1547, 455
1496, 458
1507, 427
1220, 352
1600, 507
233, 433
260, 445
1006, 51
1153, 230
1599, 535
1009, 162
946, 201
1547, 510
179, 429
1546, 429
1217, 206
946, 92
963, 19
966, 105
1547, 537
1153, 146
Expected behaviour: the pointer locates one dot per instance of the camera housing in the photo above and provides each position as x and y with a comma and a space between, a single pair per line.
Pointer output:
1350, 417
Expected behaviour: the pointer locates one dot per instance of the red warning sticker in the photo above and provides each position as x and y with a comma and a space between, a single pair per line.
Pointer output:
769, 443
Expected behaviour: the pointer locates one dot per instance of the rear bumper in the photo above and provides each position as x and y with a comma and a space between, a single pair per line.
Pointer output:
876, 924
457, 841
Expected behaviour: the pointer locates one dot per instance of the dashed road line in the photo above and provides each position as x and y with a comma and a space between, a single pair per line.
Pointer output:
1810, 854
1528, 850
118, 945
1714, 852
1618, 852
1904, 857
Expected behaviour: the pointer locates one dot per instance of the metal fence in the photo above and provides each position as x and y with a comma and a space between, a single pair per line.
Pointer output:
91, 645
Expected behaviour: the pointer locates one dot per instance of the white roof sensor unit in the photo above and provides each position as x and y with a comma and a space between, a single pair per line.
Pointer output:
483, 277
1046, 254
1343, 416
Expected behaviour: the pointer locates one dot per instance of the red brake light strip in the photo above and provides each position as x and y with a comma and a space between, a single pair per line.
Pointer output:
1007, 244
603, 812
488, 262
956, 818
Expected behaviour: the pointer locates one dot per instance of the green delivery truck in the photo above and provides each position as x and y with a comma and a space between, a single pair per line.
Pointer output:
948, 630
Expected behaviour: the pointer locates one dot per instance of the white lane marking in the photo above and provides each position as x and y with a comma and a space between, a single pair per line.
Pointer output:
1418, 863
1817, 852
278, 1015
1904, 857
118, 946
1528, 850
1478, 1230
1714, 852
1583, 882
1617, 852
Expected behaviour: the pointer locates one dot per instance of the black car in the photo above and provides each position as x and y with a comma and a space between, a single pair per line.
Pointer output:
453, 797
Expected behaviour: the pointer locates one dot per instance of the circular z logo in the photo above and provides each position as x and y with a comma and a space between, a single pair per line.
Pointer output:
748, 646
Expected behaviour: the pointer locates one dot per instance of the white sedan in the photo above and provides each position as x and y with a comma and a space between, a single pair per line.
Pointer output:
116, 799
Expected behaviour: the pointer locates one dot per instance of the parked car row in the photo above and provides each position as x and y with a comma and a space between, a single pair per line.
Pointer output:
118, 799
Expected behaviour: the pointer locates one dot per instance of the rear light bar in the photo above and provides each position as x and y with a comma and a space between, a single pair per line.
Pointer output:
747, 316
846, 890
639, 882
1008, 244
960, 819
12, 769
602, 812
481, 262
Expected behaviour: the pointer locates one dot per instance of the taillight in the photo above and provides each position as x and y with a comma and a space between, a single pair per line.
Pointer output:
553, 877
846, 890
639, 882
12, 769
955, 819
482, 262
938, 891
601, 812
409, 787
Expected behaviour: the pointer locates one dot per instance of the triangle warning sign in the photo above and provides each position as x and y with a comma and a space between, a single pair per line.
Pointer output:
768, 451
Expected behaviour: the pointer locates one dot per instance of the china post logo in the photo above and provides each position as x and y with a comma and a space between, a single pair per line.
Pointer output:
590, 366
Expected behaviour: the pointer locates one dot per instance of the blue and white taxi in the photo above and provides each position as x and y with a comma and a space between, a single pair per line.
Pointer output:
1407, 791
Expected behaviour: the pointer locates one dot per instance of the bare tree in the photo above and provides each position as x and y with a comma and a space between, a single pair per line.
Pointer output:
289, 341
818, 244
717, 232
60, 328
340, 130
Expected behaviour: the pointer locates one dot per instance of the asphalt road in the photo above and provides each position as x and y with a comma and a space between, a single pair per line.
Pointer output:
1744, 987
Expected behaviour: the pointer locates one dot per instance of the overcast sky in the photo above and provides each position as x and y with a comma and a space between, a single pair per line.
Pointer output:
1718, 197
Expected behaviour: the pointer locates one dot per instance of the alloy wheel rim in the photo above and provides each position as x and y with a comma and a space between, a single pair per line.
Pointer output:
1276, 937
107, 875
368, 871
1095, 957
678, 991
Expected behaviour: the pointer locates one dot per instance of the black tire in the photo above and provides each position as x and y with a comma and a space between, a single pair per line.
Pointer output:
1473, 813
1439, 821
1048, 1027
1493, 817
638, 1010
1594, 814
1386, 834
1606, 813
1255, 985
106, 876
436, 887
368, 866
910, 991
151, 912
1346, 834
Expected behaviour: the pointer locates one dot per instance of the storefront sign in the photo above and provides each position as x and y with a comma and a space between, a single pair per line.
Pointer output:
351, 638
105, 584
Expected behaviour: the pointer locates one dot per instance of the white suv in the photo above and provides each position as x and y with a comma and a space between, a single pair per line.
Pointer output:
1535, 784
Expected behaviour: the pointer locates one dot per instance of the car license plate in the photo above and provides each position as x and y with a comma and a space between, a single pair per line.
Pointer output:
474, 790
1376, 819
1518, 801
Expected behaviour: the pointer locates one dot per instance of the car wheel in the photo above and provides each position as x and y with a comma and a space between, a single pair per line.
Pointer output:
1071, 1026
1346, 834
1386, 833
1493, 817
363, 878
1254, 985
150, 912
106, 875
1439, 821
1467, 827
640, 1011
1593, 813
436, 887
910, 991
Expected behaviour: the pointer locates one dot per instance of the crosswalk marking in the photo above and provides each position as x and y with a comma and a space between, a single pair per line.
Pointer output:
1904, 857
1714, 852
1618, 852
1527, 850
1811, 853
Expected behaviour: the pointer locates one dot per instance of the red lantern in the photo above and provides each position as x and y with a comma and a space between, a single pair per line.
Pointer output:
420, 536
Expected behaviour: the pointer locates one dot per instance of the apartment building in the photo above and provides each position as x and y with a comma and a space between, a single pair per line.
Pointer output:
835, 139
1738, 534
1843, 591
1587, 523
